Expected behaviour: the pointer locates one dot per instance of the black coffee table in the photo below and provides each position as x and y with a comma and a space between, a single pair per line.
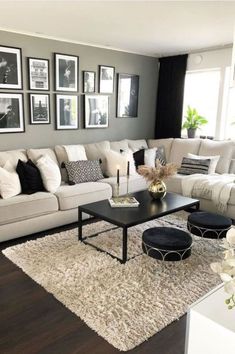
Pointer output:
127, 217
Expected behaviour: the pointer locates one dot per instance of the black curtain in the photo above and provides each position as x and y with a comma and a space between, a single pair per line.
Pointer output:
170, 96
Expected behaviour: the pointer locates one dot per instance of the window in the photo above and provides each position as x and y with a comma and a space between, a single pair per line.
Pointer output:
228, 111
202, 92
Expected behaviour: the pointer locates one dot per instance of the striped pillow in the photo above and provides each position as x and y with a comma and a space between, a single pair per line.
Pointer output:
192, 166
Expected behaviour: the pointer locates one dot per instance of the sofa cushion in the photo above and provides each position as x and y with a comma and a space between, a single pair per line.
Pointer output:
232, 166
71, 197
50, 173
119, 145
135, 145
62, 156
213, 163
139, 157
222, 148
136, 183
174, 183
75, 152
192, 166
96, 151
117, 160
167, 143
13, 156
30, 177
181, 147
9, 181
24, 206
83, 171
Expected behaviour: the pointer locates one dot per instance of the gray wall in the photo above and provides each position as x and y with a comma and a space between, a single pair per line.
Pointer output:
89, 59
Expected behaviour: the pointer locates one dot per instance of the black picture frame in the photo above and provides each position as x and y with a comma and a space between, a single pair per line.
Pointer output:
66, 72
66, 108
87, 87
39, 80
11, 77
96, 112
106, 79
39, 112
12, 113
128, 95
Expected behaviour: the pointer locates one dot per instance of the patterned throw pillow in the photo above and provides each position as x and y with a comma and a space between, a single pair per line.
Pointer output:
192, 166
83, 171
161, 155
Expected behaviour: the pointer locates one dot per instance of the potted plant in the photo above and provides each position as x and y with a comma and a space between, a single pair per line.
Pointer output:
193, 121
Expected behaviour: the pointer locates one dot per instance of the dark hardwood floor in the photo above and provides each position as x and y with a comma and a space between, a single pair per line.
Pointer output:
33, 321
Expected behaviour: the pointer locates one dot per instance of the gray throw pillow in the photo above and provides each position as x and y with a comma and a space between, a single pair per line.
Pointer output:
83, 171
192, 166
161, 155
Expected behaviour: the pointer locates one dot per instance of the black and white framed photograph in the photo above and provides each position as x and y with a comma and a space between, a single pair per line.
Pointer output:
66, 72
10, 68
38, 74
66, 112
11, 113
106, 78
39, 108
128, 93
89, 81
96, 111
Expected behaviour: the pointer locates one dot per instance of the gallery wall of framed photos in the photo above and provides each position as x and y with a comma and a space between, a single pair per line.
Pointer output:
55, 92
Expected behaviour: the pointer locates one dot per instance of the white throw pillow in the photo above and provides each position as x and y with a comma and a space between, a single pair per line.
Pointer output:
150, 157
9, 181
50, 173
213, 163
116, 160
75, 152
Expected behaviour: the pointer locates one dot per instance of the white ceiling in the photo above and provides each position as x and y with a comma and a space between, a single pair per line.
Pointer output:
154, 28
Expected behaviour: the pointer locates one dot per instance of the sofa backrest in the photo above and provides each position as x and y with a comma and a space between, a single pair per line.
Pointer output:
167, 143
35, 154
13, 156
95, 151
222, 148
136, 145
119, 145
181, 147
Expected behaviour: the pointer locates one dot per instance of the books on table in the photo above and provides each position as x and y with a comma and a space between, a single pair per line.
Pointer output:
123, 202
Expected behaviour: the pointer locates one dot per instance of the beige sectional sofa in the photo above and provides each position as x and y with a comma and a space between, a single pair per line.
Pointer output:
26, 214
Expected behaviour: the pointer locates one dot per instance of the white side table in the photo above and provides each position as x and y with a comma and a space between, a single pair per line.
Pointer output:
210, 325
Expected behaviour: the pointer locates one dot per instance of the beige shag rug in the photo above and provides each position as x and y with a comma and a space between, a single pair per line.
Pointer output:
125, 304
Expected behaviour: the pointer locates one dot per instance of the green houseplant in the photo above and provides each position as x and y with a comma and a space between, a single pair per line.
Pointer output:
193, 121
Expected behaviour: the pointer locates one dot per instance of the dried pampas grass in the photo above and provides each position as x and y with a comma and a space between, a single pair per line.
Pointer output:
159, 172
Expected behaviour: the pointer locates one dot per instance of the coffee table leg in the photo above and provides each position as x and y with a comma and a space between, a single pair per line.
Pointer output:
124, 245
79, 224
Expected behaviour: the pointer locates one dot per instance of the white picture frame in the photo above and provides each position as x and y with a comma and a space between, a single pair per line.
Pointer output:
39, 73
66, 72
106, 79
10, 68
96, 111
11, 113
66, 112
39, 108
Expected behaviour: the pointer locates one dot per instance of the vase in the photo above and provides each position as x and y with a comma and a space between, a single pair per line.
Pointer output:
191, 132
157, 189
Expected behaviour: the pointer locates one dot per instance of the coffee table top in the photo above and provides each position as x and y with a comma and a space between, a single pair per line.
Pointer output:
147, 210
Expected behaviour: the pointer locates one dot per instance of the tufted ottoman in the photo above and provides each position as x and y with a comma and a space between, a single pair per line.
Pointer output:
167, 243
208, 225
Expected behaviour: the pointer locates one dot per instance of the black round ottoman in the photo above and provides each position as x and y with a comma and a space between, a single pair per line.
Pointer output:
208, 225
167, 243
